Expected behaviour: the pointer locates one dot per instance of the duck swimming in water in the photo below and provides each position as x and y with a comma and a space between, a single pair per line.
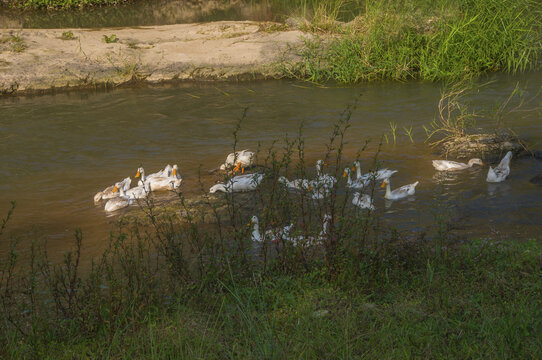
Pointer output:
501, 172
445, 165
399, 193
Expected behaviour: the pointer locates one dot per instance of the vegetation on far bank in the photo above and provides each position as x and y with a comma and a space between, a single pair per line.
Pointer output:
59, 4
428, 40
188, 287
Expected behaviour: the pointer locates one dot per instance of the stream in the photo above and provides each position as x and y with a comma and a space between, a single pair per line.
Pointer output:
57, 151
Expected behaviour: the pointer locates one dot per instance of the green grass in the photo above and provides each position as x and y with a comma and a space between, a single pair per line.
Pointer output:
429, 40
482, 302
60, 4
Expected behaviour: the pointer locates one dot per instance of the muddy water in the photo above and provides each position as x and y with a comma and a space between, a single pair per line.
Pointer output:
57, 151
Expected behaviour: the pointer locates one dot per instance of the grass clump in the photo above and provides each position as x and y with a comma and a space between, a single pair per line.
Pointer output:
110, 39
12, 42
67, 35
442, 40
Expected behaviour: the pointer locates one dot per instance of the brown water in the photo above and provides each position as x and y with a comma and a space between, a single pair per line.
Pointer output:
57, 151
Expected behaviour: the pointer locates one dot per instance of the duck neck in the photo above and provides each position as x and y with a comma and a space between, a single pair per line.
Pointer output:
221, 187
358, 170
388, 189
318, 170
142, 175
256, 236
348, 179
325, 226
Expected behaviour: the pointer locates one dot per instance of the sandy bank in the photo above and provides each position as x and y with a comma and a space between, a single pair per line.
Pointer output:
37, 60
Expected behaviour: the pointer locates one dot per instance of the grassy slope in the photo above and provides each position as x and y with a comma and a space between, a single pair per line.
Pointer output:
481, 302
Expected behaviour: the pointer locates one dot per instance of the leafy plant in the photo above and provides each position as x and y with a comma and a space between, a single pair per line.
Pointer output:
67, 35
110, 39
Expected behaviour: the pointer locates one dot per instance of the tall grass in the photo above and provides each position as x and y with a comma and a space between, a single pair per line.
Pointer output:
441, 40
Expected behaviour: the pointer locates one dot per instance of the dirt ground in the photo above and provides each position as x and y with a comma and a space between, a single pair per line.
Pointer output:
37, 60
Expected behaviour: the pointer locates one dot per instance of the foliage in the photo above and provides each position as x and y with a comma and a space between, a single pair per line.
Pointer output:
110, 39
60, 4
67, 35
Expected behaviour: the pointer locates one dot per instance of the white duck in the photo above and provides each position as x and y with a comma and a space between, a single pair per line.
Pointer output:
248, 182
138, 192
119, 202
273, 234
399, 193
157, 183
311, 240
322, 178
501, 172
446, 165
166, 172
380, 174
108, 192
363, 201
315, 189
354, 184
240, 160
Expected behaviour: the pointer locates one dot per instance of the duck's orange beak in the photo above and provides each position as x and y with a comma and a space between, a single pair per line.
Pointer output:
344, 174
174, 172
353, 168
384, 183
115, 189
138, 173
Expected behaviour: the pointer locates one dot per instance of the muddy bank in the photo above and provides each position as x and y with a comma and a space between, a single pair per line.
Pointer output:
43, 60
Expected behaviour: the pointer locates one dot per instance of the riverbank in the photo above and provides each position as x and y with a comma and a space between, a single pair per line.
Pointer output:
44, 60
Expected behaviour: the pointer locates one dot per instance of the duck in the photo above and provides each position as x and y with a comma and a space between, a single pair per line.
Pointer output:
157, 183
119, 202
446, 165
380, 174
162, 173
239, 159
363, 201
354, 184
312, 240
399, 193
240, 183
138, 192
273, 234
322, 178
315, 189
501, 172
108, 192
